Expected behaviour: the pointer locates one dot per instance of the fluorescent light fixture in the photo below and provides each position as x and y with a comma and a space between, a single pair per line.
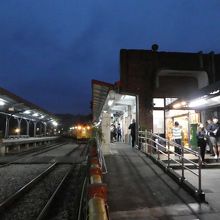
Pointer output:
110, 102
54, 123
197, 102
42, 116
183, 103
2, 102
177, 105
27, 112
214, 92
35, 114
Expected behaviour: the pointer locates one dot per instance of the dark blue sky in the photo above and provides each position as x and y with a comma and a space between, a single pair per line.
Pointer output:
51, 49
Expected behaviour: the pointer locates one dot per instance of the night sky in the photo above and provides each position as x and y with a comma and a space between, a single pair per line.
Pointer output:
51, 49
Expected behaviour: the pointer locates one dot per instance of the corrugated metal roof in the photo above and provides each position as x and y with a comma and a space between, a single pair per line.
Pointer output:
99, 94
16, 106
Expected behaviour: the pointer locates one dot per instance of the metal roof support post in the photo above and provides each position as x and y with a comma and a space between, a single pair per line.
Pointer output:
7, 126
28, 127
19, 126
35, 128
45, 128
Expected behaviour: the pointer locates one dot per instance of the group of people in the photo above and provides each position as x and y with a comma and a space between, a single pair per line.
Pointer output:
208, 135
115, 133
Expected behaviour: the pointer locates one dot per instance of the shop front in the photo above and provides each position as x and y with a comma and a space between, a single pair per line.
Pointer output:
165, 114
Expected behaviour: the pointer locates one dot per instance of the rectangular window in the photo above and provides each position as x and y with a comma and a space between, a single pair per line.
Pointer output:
158, 121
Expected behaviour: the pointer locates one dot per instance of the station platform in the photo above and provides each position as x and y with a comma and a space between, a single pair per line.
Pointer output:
139, 189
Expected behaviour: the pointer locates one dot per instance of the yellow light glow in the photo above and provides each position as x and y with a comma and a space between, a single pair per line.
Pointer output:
79, 127
17, 130
88, 127
177, 105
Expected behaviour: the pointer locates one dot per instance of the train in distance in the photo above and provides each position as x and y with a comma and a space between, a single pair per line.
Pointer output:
81, 133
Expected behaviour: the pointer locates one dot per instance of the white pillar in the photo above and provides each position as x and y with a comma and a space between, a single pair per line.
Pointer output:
127, 123
106, 122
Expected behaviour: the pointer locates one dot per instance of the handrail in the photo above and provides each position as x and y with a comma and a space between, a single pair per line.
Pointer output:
149, 141
101, 156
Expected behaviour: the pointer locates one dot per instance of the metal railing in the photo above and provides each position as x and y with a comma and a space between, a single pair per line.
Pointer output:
101, 156
155, 146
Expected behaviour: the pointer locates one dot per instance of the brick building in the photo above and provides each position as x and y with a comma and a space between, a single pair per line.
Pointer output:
149, 74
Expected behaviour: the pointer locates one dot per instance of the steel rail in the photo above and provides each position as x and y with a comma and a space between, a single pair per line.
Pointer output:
81, 198
18, 194
46, 208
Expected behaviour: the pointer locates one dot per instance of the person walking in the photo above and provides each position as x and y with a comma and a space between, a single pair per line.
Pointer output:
201, 137
132, 127
177, 137
118, 133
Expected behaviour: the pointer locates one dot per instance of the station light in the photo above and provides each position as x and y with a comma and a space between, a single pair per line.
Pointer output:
110, 102
42, 116
35, 114
177, 105
54, 123
27, 112
2, 102
214, 92
88, 127
79, 127
17, 130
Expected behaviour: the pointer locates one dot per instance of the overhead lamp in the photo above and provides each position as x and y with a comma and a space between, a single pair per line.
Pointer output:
42, 116
214, 92
27, 112
54, 123
17, 130
177, 105
35, 114
110, 102
2, 102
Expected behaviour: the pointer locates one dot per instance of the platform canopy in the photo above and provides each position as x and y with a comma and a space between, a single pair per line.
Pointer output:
207, 97
99, 94
17, 107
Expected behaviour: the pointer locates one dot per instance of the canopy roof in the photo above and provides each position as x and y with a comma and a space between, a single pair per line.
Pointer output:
11, 104
99, 94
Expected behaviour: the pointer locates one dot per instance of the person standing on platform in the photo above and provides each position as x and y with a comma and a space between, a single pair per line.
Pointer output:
208, 130
201, 137
118, 133
132, 127
215, 136
177, 137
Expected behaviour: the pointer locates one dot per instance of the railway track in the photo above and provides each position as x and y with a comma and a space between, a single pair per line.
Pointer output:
34, 153
30, 201
34, 199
